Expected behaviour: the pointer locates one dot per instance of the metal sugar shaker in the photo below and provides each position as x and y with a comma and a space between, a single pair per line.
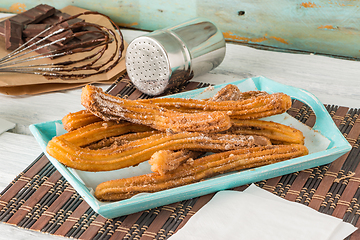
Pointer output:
167, 58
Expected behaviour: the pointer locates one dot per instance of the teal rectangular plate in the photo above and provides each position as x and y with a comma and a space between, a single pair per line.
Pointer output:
44, 132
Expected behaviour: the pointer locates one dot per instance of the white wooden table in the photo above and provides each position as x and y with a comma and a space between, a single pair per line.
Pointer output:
333, 81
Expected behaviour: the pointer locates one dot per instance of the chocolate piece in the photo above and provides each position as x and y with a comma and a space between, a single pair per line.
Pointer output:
22, 19
56, 17
13, 34
33, 15
60, 16
86, 65
37, 19
73, 21
32, 30
68, 34
92, 33
38, 13
47, 9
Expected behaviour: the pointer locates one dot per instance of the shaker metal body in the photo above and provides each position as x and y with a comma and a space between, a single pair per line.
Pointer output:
168, 58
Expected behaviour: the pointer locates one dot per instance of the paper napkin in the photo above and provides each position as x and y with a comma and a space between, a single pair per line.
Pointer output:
5, 125
258, 214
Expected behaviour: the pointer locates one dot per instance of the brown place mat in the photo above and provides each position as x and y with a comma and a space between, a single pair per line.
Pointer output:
40, 199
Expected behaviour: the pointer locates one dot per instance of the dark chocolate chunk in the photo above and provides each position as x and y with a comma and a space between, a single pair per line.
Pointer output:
13, 34
47, 9
31, 30
33, 15
56, 17
22, 19
73, 21
67, 34
31, 23
90, 33
38, 13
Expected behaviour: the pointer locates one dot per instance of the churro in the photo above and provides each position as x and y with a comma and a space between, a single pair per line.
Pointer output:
228, 93
166, 160
278, 133
199, 169
92, 133
68, 149
78, 119
109, 108
113, 142
260, 106
232, 93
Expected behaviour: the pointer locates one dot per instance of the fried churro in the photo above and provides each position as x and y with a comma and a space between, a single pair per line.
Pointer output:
79, 119
109, 108
113, 142
228, 93
92, 133
278, 133
199, 169
166, 160
262, 105
68, 149
232, 93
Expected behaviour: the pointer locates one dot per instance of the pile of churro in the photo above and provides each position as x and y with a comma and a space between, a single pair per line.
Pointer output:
175, 136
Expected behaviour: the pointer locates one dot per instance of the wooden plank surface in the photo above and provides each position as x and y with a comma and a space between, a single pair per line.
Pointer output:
321, 27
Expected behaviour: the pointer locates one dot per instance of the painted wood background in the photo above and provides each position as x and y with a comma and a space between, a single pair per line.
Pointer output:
327, 27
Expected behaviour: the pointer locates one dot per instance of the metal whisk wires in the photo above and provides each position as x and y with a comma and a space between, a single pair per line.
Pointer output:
80, 59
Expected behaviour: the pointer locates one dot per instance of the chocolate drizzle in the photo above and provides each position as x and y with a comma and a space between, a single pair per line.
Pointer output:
95, 41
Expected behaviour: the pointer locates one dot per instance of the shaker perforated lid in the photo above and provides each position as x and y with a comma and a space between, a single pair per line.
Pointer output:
168, 58
148, 65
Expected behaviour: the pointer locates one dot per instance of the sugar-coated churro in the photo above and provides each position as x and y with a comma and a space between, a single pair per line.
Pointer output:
114, 108
199, 169
117, 141
68, 148
232, 93
278, 133
229, 93
97, 131
167, 160
79, 119
260, 106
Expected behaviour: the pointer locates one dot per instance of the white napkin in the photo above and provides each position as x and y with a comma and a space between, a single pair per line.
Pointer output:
5, 125
258, 214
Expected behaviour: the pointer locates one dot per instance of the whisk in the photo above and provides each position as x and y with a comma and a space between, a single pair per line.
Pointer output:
88, 57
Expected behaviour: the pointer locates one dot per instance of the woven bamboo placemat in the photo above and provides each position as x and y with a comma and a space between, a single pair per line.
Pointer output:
40, 199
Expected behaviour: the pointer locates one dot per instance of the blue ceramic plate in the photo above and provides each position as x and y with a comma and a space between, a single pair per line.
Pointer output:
325, 143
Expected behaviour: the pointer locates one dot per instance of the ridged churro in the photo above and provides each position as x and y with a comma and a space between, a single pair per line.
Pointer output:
167, 160
68, 148
199, 169
260, 106
109, 108
113, 142
228, 94
79, 119
97, 131
278, 133
232, 93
